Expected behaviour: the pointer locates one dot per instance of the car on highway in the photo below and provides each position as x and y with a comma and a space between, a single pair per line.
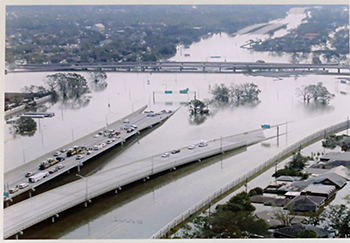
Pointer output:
165, 155
96, 135
129, 130
80, 156
126, 121
13, 190
192, 147
203, 144
28, 174
57, 153
175, 151
88, 152
63, 150
53, 170
60, 158
60, 166
23, 185
151, 114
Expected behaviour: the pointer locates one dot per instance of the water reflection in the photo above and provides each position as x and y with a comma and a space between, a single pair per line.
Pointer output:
75, 104
98, 86
317, 107
197, 119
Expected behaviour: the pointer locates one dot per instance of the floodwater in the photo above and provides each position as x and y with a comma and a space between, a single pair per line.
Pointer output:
141, 211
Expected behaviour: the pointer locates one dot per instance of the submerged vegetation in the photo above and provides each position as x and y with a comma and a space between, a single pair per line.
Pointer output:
238, 94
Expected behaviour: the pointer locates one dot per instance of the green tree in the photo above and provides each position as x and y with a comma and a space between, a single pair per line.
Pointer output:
298, 162
97, 76
338, 218
235, 219
317, 92
307, 234
25, 126
221, 93
256, 191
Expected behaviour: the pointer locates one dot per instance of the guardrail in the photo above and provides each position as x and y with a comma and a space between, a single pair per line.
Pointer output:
249, 176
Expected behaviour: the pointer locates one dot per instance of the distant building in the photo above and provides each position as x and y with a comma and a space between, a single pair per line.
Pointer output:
98, 27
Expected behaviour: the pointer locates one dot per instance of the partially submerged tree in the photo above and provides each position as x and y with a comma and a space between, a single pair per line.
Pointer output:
317, 92
97, 76
221, 93
236, 93
67, 85
25, 126
332, 141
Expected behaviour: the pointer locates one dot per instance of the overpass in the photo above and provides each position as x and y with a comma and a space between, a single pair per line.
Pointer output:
17, 175
194, 67
50, 204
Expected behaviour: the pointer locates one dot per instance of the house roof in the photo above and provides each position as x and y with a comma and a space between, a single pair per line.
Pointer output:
292, 231
333, 177
342, 171
305, 202
333, 156
319, 189
289, 178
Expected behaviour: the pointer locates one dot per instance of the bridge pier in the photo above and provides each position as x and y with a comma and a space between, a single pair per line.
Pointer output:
53, 218
338, 70
234, 69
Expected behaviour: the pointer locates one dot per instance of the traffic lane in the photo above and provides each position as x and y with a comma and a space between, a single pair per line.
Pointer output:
96, 184
72, 161
27, 166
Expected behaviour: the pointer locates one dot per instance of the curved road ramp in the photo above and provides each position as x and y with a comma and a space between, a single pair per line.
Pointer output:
27, 213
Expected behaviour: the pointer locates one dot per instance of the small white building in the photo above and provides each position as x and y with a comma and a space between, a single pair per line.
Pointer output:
98, 27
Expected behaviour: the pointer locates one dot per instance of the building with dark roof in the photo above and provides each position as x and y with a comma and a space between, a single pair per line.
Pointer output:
319, 190
306, 203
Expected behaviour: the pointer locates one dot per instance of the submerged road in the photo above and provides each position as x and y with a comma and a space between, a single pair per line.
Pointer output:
49, 204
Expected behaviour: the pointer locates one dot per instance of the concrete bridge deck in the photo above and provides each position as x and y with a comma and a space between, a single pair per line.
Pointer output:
49, 204
17, 175
180, 66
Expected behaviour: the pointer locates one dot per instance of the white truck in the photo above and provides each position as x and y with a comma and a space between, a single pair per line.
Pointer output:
38, 176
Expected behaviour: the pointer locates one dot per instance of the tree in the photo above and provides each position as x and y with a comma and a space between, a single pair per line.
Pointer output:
25, 126
343, 141
238, 93
284, 216
221, 93
77, 85
68, 85
307, 234
317, 92
256, 191
298, 162
245, 92
97, 76
338, 218
235, 219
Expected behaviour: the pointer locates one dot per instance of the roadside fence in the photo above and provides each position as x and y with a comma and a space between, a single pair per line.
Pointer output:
210, 200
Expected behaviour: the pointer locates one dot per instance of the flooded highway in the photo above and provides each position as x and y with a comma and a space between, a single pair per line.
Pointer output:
139, 211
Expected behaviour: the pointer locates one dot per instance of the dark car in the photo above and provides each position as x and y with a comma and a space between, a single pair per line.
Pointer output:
60, 158
175, 151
